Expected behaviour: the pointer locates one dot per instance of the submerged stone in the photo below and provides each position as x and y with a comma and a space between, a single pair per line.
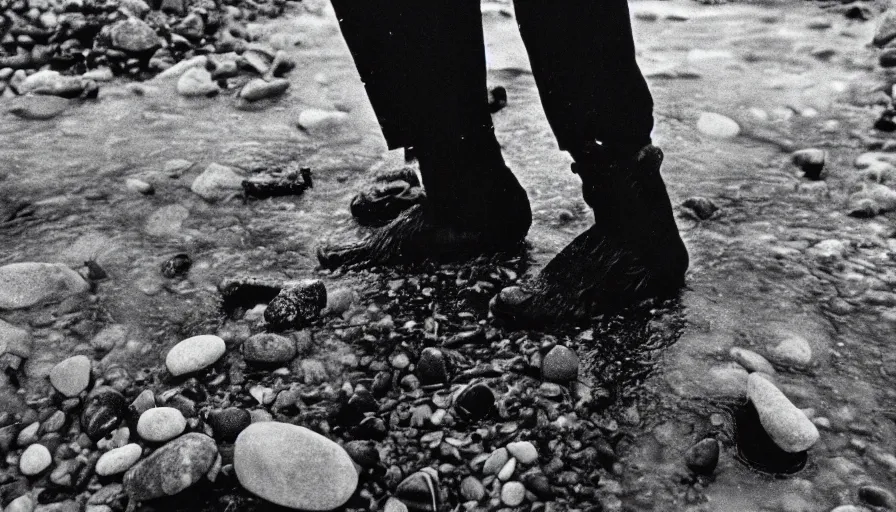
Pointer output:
787, 425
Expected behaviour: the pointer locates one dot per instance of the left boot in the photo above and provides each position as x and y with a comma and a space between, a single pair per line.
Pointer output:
633, 252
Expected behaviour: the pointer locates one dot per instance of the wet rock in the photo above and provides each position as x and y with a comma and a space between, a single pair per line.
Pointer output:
195, 82
260, 89
475, 402
886, 29
35, 459
793, 350
172, 468
228, 423
269, 348
810, 161
471, 489
270, 457
139, 186
104, 408
700, 208
26, 284
363, 453
316, 119
134, 35
877, 496
71, 376
194, 354
752, 361
513, 494
419, 492
160, 424
118, 460
432, 368
177, 266
523, 451
38, 108
560, 365
297, 305
703, 457
787, 425
717, 125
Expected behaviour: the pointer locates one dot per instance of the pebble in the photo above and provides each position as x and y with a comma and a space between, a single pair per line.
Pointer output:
877, 496
717, 125
217, 182
28, 435
317, 119
71, 376
431, 367
496, 461
363, 453
25, 284
340, 300
507, 471
787, 425
161, 424
228, 423
297, 305
471, 489
194, 354
269, 348
172, 468
475, 402
271, 457
139, 186
793, 350
752, 361
560, 365
513, 494
38, 108
701, 207
523, 451
420, 492
104, 409
196, 82
703, 457
134, 35
15, 340
24, 503
118, 460
810, 161
35, 459
177, 266
259, 89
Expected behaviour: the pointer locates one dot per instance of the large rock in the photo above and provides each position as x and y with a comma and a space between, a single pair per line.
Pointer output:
71, 376
785, 424
217, 182
293, 467
172, 468
194, 354
267, 348
134, 35
26, 284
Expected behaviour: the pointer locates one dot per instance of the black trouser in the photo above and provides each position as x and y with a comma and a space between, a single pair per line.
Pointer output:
423, 65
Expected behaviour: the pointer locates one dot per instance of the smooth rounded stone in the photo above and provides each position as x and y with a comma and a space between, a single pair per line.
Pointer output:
15, 340
259, 89
71, 376
420, 492
750, 360
340, 300
139, 186
702, 208
25, 284
523, 451
194, 354
475, 402
38, 108
228, 423
811, 161
217, 182
28, 435
471, 489
196, 82
104, 409
717, 125
35, 459
24, 503
785, 424
160, 424
177, 70
793, 350
496, 461
134, 35
145, 401
363, 453
317, 119
508, 470
172, 468
703, 457
513, 494
728, 382
395, 505
432, 367
270, 458
100, 74
560, 365
269, 348
297, 305
877, 496
118, 460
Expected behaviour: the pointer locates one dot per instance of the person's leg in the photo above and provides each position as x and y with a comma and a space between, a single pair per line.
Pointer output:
423, 66
598, 104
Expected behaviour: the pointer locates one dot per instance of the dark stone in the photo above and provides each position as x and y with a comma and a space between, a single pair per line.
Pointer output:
877, 496
419, 492
228, 423
475, 403
104, 408
247, 292
886, 122
537, 482
266, 187
703, 457
497, 99
385, 201
431, 368
297, 305
371, 428
888, 58
701, 207
364, 453
172, 468
177, 266
756, 449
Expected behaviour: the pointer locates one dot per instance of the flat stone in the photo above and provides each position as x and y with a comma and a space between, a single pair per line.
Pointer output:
523, 451
269, 348
38, 108
317, 119
217, 182
71, 376
197, 82
271, 457
118, 460
194, 354
25, 284
172, 468
561, 364
259, 89
15, 340
35, 459
717, 125
161, 424
785, 424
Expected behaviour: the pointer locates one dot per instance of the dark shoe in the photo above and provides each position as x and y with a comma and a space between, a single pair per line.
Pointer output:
632, 253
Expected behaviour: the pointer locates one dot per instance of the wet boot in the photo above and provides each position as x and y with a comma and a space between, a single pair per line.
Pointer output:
633, 251
473, 205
